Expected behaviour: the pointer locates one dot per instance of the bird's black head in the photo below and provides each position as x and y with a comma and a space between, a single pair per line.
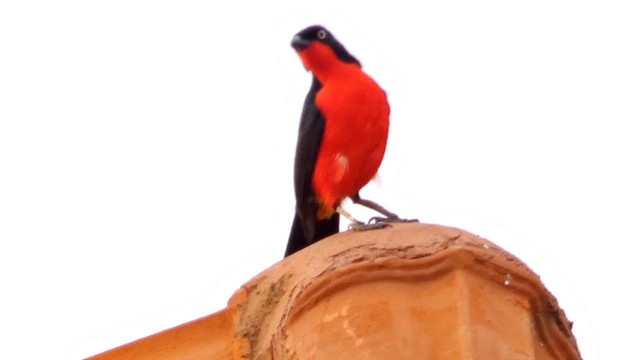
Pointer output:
307, 36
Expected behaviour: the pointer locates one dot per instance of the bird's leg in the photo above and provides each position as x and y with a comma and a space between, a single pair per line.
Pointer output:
374, 206
389, 217
358, 225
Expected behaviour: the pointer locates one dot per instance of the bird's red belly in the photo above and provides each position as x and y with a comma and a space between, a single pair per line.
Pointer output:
355, 137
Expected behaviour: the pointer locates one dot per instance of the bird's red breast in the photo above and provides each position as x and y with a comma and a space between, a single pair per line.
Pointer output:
356, 126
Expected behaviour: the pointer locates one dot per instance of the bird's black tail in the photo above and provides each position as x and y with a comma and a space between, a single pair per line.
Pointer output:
322, 229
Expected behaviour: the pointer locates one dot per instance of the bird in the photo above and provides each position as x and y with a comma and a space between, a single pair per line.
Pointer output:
342, 138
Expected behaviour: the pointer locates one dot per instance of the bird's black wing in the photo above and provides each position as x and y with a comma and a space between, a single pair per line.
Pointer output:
306, 228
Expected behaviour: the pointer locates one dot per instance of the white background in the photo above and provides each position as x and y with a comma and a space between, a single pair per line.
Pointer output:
146, 152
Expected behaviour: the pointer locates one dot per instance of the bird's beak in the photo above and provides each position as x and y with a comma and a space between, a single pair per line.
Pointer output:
299, 43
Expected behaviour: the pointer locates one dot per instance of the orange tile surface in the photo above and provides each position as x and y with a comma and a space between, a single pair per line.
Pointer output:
411, 291
209, 337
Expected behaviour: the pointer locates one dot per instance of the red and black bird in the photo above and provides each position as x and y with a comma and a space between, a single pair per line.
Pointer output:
341, 139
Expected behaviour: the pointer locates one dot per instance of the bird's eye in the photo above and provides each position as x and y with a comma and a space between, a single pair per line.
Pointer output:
322, 34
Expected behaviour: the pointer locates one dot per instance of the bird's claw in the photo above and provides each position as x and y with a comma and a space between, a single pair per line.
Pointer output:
381, 219
360, 226
389, 220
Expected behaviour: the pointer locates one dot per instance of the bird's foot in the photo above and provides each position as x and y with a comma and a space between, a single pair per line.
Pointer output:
360, 226
389, 220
